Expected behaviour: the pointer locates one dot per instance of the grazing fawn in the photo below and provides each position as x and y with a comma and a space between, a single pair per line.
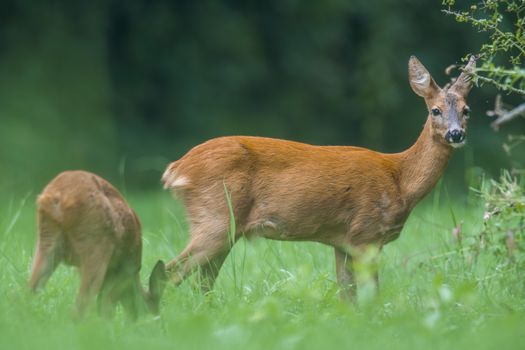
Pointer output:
84, 221
345, 197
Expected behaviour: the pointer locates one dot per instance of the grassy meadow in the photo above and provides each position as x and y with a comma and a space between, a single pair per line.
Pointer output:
435, 293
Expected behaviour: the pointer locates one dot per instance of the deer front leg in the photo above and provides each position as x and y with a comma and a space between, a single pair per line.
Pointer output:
366, 269
358, 267
345, 275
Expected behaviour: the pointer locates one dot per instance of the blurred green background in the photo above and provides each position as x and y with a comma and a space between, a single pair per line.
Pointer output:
122, 88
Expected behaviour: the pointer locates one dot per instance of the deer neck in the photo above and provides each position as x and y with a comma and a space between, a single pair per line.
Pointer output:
422, 165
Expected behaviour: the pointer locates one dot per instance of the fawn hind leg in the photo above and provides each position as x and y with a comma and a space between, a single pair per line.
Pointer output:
206, 250
93, 267
109, 295
48, 253
121, 285
132, 299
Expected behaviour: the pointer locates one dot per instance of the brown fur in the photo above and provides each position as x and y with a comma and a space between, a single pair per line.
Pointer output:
345, 197
84, 221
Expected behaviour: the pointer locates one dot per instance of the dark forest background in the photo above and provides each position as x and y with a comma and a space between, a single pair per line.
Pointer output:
122, 88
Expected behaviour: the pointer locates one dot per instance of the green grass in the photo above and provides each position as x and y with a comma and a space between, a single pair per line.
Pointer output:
278, 295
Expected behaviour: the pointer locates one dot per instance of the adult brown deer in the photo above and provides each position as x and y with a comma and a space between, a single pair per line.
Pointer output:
84, 221
345, 197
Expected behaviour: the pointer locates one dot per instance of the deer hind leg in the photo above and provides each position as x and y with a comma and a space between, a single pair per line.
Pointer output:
48, 253
207, 250
94, 261
210, 270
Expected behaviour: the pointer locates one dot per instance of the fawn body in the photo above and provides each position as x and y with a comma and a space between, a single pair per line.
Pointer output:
84, 221
345, 197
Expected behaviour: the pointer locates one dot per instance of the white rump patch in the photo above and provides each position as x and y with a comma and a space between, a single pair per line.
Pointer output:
179, 182
171, 180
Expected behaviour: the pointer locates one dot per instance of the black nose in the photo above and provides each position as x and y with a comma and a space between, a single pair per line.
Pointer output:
455, 136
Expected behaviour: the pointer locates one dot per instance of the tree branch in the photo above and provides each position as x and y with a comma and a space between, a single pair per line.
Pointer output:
504, 116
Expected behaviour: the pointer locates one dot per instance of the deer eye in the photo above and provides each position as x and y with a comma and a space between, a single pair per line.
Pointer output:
466, 112
435, 112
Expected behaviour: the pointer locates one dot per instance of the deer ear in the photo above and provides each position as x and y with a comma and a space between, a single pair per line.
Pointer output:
420, 79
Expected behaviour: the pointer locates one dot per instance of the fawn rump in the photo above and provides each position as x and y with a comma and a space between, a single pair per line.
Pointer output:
85, 222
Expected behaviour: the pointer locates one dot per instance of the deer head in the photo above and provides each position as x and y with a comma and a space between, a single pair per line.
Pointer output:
448, 109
